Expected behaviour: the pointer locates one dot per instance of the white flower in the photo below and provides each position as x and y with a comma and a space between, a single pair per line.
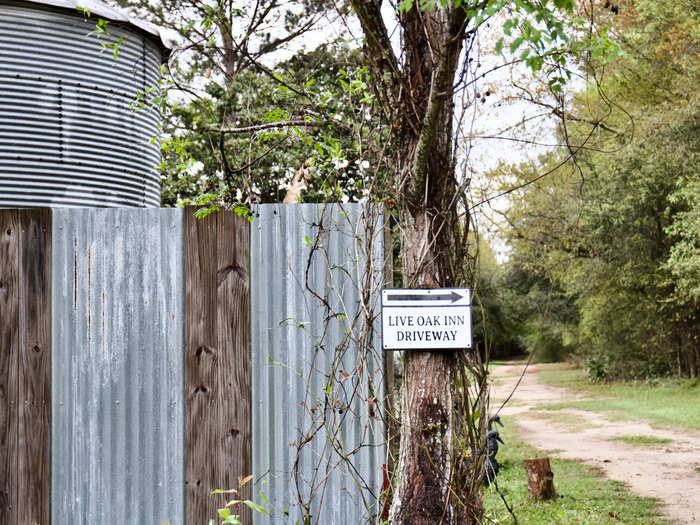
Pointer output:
339, 163
195, 169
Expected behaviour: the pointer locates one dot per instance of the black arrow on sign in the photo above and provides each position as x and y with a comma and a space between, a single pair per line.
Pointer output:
452, 297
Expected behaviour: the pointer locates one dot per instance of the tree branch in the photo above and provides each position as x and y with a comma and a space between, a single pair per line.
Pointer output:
440, 90
279, 124
378, 48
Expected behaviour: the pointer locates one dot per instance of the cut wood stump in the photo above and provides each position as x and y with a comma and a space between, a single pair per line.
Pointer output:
540, 479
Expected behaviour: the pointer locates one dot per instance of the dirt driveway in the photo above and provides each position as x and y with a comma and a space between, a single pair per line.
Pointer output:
667, 472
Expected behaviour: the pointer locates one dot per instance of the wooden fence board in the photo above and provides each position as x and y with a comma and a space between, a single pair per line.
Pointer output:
34, 367
217, 360
25, 366
9, 341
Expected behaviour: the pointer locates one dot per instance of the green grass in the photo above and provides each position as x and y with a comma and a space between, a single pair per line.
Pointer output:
666, 403
564, 375
638, 440
500, 362
583, 495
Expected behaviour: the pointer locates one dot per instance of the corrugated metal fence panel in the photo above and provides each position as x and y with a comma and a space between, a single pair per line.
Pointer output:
286, 324
67, 134
117, 367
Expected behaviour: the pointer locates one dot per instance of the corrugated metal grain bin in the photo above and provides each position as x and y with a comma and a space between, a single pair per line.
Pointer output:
68, 134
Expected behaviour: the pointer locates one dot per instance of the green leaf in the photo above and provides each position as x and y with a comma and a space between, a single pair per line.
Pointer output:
224, 513
404, 6
100, 28
535, 63
200, 214
276, 115
242, 210
188, 27
201, 200
116, 47
515, 44
499, 46
564, 4
509, 25
255, 507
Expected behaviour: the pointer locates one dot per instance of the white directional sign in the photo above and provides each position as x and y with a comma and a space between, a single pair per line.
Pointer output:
435, 319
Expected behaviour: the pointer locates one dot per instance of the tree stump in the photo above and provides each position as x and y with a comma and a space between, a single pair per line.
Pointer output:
540, 479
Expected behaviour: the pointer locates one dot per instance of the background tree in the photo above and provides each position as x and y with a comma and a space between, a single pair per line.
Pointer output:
277, 133
250, 108
616, 229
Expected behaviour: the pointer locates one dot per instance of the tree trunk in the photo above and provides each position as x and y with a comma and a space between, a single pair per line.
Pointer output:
417, 96
540, 479
428, 467
422, 493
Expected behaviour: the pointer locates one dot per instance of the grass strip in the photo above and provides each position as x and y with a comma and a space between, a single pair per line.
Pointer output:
583, 495
639, 440
665, 402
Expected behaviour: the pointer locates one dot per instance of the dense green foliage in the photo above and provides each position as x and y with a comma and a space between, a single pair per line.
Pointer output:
496, 321
524, 311
615, 233
261, 153
250, 112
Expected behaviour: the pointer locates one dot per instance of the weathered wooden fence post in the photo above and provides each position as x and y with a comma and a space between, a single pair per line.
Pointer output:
217, 361
25, 366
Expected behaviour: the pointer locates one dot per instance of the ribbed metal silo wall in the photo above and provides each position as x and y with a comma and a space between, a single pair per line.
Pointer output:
291, 363
118, 421
68, 136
